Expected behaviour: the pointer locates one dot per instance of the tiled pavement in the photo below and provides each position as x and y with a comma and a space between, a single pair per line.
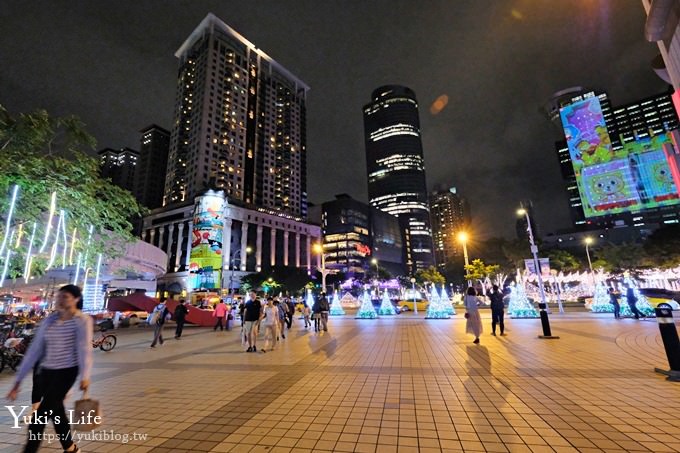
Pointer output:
394, 384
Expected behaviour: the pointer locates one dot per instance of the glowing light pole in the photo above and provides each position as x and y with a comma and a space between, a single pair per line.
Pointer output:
588, 241
318, 248
534, 252
413, 288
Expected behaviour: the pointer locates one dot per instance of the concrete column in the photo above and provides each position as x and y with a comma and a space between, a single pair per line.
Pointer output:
244, 244
152, 235
258, 249
180, 238
285, 248
226, 246
171, 230
144, 235
273, 247
190, 234
309, 253
161, 241
297, 249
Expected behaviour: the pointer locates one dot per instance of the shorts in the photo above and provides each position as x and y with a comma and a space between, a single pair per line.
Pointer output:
249, 326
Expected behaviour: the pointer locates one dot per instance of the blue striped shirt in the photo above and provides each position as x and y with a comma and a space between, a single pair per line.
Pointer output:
60, 345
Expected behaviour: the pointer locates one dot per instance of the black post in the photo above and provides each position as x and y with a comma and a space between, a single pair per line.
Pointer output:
671, 343
545, 323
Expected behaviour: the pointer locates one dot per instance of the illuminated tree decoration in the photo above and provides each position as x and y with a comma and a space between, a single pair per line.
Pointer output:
520, 306
386, 307
601, 301
642, 303
366, 311
336, 308
435, 309
447, 303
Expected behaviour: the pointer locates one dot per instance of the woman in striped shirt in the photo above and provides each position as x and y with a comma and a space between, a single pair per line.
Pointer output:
63, 346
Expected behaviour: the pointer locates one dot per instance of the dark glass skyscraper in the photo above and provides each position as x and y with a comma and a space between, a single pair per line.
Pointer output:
396, 169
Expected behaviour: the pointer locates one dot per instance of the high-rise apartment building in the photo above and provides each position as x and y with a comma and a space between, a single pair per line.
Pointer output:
396, 168
239, 124
153, 160
119, 165
450, 214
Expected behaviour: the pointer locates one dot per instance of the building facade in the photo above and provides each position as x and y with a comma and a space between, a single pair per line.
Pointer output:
120, 166
355, 234
450, 214
239, 124
153, 160
252, 240
396, 169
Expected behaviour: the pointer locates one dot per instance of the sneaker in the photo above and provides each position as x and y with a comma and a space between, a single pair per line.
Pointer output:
153, 345
494, 334
476, 341
263, 350
250, 349
283, 336
254, 348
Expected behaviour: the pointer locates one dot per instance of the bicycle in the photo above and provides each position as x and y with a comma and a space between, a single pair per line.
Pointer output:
106, 342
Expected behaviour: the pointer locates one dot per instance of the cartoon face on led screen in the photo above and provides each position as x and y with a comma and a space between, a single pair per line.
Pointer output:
610, 187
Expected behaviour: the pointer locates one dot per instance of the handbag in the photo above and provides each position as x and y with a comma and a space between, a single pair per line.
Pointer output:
87, 413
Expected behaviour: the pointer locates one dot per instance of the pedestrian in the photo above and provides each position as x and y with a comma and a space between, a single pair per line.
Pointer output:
497, 308
252, 314
282, 318
220, 313
316, 314
157, 319
614, 300
306, 312
291, 311
325, 309
180, 315
270, 323
474, 320
230, 316
632, 301
241, 310
63, 345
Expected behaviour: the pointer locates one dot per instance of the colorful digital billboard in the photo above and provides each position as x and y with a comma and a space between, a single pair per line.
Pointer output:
636, 177
206, 241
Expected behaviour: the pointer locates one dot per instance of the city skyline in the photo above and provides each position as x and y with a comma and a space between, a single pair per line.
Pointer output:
483, 112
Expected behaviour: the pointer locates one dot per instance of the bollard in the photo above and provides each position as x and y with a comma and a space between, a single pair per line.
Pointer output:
671, 343
545, 322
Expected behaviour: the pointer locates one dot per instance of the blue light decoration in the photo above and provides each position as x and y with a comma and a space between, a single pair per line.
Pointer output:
336, 308
642, 303
447, 303
386, 307
601, 301
366, 311
435, 309
520, 306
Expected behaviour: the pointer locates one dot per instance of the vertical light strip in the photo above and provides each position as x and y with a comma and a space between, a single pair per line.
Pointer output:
96, 280
53, 253
73, 246
27, 264
10, 214
87, 246
8, 255
63, 235
19, 235
75, 279
48, 229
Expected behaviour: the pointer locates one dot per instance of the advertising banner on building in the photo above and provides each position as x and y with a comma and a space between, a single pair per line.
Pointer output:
205, 262
544, 264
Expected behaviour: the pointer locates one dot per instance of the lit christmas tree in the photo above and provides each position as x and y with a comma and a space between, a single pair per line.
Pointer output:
520, 306
601, 301
336, 308
386, 307
366, 311
435, 309
447, 304
642, 303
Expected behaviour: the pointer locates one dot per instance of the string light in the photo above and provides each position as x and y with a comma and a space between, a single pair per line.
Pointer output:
63, 234
96, 281
19, 235
53, 253
75, 279
8, 254
8, 222
53, 206
29, 259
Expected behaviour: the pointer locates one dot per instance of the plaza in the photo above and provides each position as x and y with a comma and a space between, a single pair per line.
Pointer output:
395, 384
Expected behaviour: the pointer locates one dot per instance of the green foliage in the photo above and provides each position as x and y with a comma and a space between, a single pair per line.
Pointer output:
45, 154
562, 261
430, 275
620, 258
663, 247
478, 270
284, 279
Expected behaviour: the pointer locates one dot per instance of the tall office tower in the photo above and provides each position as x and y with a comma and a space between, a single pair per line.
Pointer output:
450, 214
120, 166
239, 125
396, 168
153, 160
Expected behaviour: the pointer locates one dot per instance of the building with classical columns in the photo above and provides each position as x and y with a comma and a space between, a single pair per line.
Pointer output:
254, 239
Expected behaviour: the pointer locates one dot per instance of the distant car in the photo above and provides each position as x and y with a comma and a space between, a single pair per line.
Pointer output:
407, 305
134, 317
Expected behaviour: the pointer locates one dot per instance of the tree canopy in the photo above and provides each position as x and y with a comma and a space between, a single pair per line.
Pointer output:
430, 275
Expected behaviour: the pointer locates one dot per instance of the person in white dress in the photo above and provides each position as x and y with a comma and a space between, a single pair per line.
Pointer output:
270, 323
474, 320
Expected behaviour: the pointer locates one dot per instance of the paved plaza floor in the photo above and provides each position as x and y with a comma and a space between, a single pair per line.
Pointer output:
396, 384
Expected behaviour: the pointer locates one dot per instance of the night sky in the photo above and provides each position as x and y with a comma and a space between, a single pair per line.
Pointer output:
498, 61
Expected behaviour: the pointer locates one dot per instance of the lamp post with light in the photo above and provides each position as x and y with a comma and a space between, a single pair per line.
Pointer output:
234, 255
413, 288
463, 239
588, 241
318, 249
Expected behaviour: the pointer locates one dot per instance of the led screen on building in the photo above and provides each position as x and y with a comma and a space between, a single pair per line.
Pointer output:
636, 177
206, 241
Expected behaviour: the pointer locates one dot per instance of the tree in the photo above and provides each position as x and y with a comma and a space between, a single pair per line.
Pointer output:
286, 279
42, 155
430, 275
662, 248
478, 270
562, 261
620, 258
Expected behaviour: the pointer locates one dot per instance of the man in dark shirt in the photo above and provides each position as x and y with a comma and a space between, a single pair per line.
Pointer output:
180, 317
632, 302
497, 312
253, 314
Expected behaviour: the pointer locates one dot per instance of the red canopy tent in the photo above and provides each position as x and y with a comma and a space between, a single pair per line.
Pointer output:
134, 302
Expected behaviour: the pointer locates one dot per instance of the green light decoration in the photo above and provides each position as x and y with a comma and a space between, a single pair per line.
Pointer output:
366, 311
386, 307
601, 301
435, 309
519, 305
336, 308
447, 303
642, 303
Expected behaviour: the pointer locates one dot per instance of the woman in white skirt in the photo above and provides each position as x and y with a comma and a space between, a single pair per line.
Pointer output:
270, 323
474, 320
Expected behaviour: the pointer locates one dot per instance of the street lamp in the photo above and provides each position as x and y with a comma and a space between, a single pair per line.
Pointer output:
318, 249
413, 288
374, 262
463, 239
588, 241
232, 259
